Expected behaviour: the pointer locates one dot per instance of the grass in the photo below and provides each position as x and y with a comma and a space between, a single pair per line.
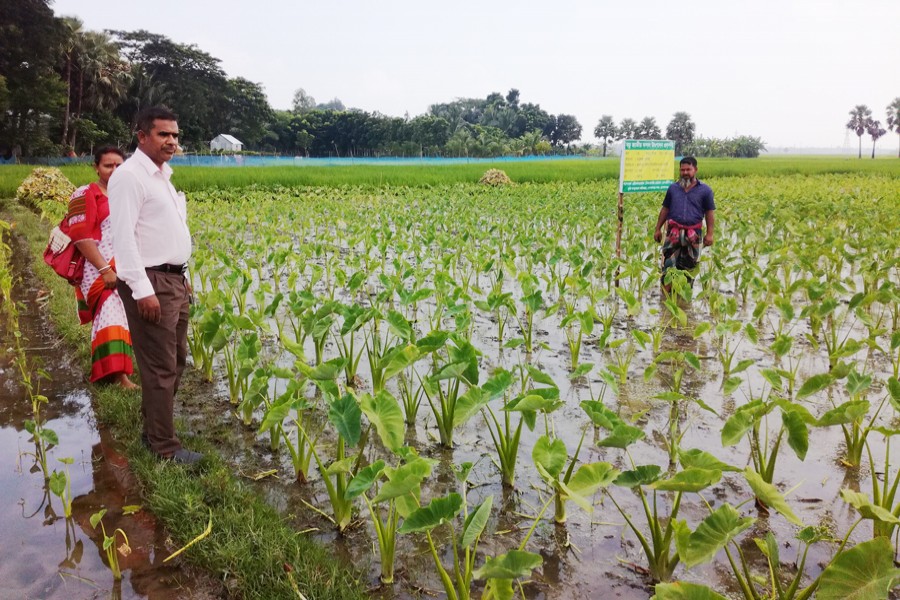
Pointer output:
202, 178
250, 546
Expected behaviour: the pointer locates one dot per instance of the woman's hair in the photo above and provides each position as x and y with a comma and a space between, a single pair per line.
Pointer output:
98, 154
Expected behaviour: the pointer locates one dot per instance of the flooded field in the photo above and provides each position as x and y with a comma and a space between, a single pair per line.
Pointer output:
45, 555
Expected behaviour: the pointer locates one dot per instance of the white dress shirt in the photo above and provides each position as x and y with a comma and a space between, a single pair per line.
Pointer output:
149, 221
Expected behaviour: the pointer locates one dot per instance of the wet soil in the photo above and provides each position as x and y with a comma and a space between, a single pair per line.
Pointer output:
43, 554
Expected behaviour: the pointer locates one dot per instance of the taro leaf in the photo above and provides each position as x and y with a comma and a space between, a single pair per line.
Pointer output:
894, 390
731, 384
591, 477
497, 384
814, 384
533, 402
49, 436
802, 412
469, 404
399, 326
275, 415
770, 496
670, 396
551, 455
476, 522
622, 436
383, 411
798, 434
682, 590
515, 564
539, 376
345, 415
341, 466
97, 517
399, 358
736, 427
691, 359
436, 513
698, 330
700, 459
365, 478
867, 509
293, 347
58, 483
689, 480
743, 365
402, 481
433, 342
752, 334
600, 415
773, 377
326, 371
465, 353
712, 534
782, 345
642, 475
840, 370
846, 413
864, 572
581, 370
462, 471
857, 383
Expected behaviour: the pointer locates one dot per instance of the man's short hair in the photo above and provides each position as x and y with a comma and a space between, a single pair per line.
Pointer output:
689, 160
147, 116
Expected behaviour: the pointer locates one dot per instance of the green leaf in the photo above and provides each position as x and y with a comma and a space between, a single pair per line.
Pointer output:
476, 522
97, 517
591, 477
682, 590
642, 475
736, 427
894, 392
550, 454
600, 415
533, 402
622, 436
399, 358
867, 509
399, 326
58, 483
846, 413
743, 366
515, 564
689, 480
864, 572
712, 534
814, 384
384, 412
731, 384
798, 434
497, 384
469, 404
691, 359
539, 376
773, 377
436, 513
365, 479
346, 416
752, 334
700, 459
771, 497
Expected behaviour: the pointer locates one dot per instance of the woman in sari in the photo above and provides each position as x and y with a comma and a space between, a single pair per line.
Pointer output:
98, 300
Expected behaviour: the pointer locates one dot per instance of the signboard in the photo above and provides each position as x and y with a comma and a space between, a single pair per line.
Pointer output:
647, 166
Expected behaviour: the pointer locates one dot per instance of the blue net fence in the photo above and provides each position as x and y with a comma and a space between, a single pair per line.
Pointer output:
238, 160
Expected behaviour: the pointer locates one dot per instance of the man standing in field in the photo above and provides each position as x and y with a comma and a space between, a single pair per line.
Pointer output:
152, 245
687, 204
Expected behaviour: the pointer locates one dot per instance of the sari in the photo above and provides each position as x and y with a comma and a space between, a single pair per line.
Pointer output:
111, 351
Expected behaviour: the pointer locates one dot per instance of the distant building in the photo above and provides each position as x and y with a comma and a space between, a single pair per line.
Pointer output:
227, 143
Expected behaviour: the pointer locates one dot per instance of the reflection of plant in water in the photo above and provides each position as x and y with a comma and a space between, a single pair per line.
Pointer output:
109, 543
61, 485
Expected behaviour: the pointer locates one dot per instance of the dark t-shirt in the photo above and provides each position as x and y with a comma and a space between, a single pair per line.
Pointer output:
689, 208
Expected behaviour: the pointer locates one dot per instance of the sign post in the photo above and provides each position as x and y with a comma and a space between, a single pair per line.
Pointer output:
647, 166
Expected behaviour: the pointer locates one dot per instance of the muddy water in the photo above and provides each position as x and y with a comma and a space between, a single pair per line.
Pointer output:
43, 555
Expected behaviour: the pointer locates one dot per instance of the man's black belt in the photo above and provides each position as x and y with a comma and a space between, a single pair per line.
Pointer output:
180, 269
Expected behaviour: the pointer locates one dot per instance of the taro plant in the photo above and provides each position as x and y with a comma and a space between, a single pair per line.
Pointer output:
61, 485
397, 492
109, 544
452, 390
532, 301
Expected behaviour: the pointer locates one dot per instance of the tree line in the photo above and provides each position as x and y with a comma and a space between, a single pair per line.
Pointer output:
861, 123
64, 90
680, 130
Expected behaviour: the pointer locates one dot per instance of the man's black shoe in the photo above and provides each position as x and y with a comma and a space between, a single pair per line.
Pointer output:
183, 456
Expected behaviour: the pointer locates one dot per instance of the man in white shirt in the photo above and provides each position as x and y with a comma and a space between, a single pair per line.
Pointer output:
152, 245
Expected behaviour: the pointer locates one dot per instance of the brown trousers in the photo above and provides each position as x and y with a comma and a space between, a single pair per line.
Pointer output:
161, 352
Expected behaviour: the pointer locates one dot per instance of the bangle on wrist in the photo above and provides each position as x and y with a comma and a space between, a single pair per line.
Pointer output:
104, 269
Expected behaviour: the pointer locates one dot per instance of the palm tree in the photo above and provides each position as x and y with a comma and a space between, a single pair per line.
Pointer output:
859, 122
893, 118
648, 129
680, 130
72, 34
606, 131
875, 131
627, 130
143, 92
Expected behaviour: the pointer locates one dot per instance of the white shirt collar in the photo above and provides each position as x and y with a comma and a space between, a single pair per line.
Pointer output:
150, 166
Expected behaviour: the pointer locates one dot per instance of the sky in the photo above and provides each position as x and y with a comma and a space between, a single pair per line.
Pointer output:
787, 71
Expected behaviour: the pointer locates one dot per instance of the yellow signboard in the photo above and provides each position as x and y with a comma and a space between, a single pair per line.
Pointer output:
647, 166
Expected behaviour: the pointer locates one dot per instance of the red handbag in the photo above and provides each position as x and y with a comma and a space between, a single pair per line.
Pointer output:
68, 262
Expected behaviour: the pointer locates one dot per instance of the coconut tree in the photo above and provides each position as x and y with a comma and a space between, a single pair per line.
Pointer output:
860, 117
893, 118
875, 131
606, 131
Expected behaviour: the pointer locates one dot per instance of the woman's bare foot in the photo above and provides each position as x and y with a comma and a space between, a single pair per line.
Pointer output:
125, 383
